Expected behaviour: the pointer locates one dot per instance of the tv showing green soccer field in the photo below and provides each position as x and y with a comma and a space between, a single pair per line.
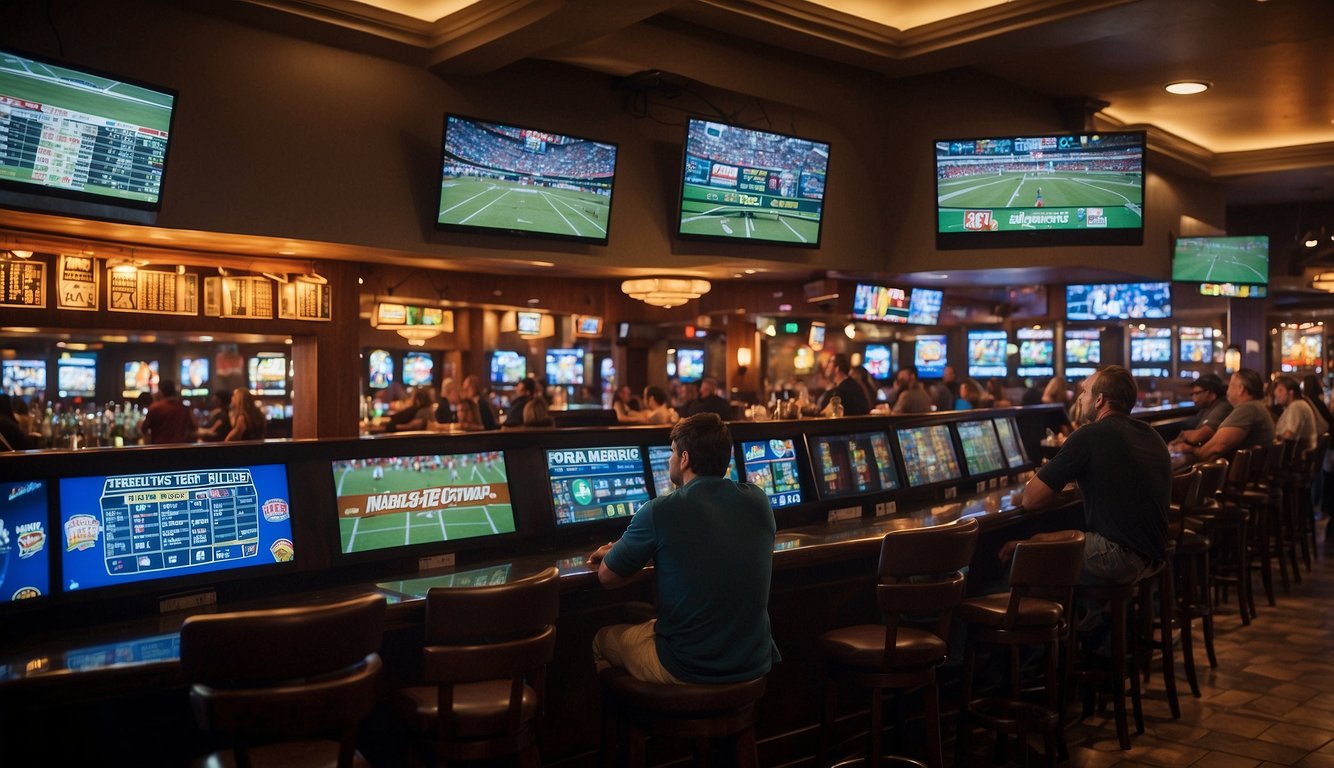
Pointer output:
508, 179
1240, 260
1025, 191
392, 502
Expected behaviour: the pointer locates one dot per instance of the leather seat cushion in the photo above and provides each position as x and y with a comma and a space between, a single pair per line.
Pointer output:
683, 699
991, 611
292, 754
479, 708
863, 646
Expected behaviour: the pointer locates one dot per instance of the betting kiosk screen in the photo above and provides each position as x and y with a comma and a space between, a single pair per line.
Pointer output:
849, 465
590, 484
772, 465
397, 501
1009, 437
981, 448
122, 529
658, 458
928, 455
24, 555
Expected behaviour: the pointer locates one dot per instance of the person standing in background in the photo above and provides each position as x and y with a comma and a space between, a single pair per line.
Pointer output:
12, 437
472, 390
168, 420
709, 401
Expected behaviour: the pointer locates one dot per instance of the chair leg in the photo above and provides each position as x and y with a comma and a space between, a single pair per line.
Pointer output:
935, 751
874, 748
1119, 631
747, 753
1166, 609
827, 719
1185, 618
963, 731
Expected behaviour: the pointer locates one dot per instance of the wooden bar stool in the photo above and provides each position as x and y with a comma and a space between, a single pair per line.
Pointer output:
1089, 671
1229, 527
1035, 612
1196, 574
920, 584
1190, 560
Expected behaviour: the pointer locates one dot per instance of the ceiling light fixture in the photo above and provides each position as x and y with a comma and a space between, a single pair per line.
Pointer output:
20, 254
1323, 282
417, 336
1187, 87
665, 292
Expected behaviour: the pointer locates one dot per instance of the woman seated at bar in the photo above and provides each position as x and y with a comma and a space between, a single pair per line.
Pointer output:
248, 422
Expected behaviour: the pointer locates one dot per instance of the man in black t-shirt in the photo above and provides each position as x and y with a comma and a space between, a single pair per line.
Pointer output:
853, 397
523, 395
709, 401
1124, 475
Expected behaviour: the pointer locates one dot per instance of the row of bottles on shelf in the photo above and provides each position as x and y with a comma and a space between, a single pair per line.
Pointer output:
61, 425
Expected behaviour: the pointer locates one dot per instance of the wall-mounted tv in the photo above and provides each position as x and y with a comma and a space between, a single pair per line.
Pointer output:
689, 364
815, 337
1236, 261
1025, 191
928, 455
528, 323
1118, 301
591, 484
1037, 352
772, 465
1200, 345
508, 367
268, 374
747, 185
1151, 345
565, 366
25, 547
418, 369
380, 365
850, 465
508, 179
168, 526
924, 306
878, 361
81, 134
1234, 290
1301, 349
1083, 351
23, 377
141, 376
405, 501
929, 355
76, 374
880, 303
194, 379
588, 325
986, 353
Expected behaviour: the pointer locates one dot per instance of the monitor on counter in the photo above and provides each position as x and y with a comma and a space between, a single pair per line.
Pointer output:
1037, 352
851, 465
25, 548
982, 452
986, 353
167, 527
928, 455
391, 502
511, 180
924, 306
1010, 442
880, 303
772, 465
508, 367
746, 185
1026, 191
1118, 301
929, 355
658, 458
592, 484
1240, 263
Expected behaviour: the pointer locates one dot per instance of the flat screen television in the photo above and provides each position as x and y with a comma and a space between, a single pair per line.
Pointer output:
1026, 191
851, 465
658, 458
747, 185
982, 452
170, 526
23, 377
772, 465
84, 135
528, 323
588, 325
76, 374
689, 364
815, 337
1010, 442
986, 353
924, 306
194, 379
268, 374
1236, 261
1037, 351
25, 551
141, 376
1151, 345
508, 179
565, 366
1118, 301
928, 455
592, 484
929, 356
878, 361
508, 367
418, 369
1200, 345
1301, 349
1083, 351
406, 501
380, 364
879, 303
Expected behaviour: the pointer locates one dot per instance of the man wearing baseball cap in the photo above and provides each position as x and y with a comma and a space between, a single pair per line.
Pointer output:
1210, 396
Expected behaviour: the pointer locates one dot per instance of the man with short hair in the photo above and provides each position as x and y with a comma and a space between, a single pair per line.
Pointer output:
1248, 424
855, 403
912, 396
524, 392
1210, 396
711, 542
168, 419
1124, 474
709, 401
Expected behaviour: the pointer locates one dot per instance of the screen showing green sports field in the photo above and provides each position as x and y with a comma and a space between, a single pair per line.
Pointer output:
749, 185
1040, 190
399, 501
81, 134
1240, 260
509, 179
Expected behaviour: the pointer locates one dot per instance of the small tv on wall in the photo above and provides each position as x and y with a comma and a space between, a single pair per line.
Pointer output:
924, 306
1118, 301
80, 134
1237, 261
508, 179
748, 185
880, 303
1026, 191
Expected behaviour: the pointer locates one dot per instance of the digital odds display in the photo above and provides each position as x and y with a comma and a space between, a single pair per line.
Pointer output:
772, 465
123, 529
848, 465
24, 555
399, 501
589, 484
928, 455
981, 448
1009, 437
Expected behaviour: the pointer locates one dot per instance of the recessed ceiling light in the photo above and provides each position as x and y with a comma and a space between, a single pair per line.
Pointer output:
1187, 87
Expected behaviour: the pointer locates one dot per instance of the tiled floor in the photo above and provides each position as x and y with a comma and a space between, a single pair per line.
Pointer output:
1270, 701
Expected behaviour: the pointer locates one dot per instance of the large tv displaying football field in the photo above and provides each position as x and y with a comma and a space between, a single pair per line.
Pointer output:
1243, 260
400, 501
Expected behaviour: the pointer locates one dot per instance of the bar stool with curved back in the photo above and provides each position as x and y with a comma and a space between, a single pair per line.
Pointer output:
1262, 501
1194, 553
287, 686
1160, 575
1283, 475
920, 583
1091, 670
1035, 612
484, 663
1309, 473
1228, 524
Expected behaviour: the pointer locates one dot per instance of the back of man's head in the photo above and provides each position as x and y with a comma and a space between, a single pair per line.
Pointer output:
842, 363
657, 394
1117, 385
708, 441
708, 387
167, 387
528, 386
1251, 382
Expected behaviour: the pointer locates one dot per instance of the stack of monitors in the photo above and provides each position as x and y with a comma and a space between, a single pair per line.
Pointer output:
772, 465
928, 455
1010, 443
929, 356
25, 554
591, 484
168, 526
1083, 352
658, 458
1037, 352
851, 465
392, 502
1150, 345
981, 448
986, 353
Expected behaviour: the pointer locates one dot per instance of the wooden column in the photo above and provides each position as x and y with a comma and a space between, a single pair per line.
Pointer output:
327, 385
741, 335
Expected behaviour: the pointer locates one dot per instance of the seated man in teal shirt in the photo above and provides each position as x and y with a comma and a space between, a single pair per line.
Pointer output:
711, 542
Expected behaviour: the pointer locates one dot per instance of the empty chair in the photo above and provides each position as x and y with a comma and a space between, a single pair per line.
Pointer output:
288, 686
484, 663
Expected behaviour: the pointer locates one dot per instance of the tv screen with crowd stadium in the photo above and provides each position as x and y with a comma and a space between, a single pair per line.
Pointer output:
1236, 261
72, 132
23, 377
748, 185
508, 179
1054, 190
1118, 301
76, 374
